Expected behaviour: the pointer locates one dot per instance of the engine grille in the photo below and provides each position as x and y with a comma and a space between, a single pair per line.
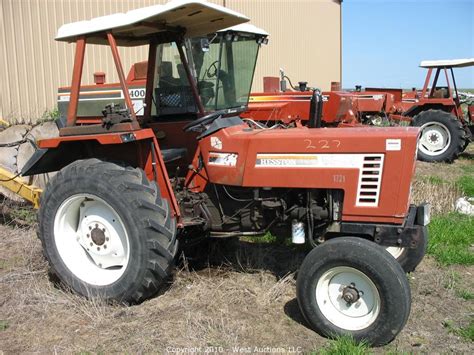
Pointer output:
370, 179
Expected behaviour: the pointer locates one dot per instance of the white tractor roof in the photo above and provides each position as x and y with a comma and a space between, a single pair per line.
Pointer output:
197, 17
453, 63
247, 28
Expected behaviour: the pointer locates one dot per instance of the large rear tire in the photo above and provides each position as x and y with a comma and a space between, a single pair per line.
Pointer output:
442, 136
107, 232
351, 286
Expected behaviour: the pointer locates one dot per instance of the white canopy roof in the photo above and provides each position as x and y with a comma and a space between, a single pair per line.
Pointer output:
454, 63
247, 28
197, 17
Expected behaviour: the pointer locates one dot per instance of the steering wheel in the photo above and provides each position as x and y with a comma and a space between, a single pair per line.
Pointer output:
204, 120
212, 66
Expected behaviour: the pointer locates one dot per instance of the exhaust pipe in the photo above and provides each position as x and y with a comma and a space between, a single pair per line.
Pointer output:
316, 110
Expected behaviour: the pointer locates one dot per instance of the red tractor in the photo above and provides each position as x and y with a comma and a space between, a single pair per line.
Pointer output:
436, 109
128, 191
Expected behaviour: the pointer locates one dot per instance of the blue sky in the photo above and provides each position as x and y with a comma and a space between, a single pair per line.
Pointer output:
385, 40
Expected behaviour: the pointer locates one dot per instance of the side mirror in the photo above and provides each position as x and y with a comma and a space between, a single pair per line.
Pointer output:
205, 45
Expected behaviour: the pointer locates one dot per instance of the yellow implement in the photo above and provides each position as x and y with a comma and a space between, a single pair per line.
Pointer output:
4, 123
28, 192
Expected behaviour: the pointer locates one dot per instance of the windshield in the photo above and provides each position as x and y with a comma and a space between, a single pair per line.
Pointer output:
224, 66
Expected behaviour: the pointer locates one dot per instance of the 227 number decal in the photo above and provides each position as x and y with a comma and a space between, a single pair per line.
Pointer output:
322, 144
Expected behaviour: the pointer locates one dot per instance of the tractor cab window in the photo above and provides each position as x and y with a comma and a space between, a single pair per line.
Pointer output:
441, 88
172, 92
224, 65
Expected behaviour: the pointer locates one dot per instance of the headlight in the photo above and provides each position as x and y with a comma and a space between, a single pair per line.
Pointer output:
423, 214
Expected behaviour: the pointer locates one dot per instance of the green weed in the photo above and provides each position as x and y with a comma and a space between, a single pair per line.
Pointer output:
25, 214
3, 325
466, 183
466, 332
49, 115
451, 236
464, 294
452, 283
344, 345
435, 180
265, 239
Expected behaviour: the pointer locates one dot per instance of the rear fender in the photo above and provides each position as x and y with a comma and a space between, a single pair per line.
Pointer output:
138, 149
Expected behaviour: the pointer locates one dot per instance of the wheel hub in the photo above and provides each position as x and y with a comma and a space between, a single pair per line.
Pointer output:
91, 239
98, 235
350, 294
348, 298
433, 138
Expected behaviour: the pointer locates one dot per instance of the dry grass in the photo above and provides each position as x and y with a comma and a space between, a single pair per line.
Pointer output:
437, 183
225, 304
441, 196
214, 306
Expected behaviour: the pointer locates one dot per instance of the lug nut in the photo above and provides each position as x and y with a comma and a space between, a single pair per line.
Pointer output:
96, 225
90, 228
88, 235
107, 239
98, 248
92, 244
103, 230
105, 246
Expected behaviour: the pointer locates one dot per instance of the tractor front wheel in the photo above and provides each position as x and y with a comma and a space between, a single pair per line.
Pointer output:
106, 231
352, 286
410, 258
442, 136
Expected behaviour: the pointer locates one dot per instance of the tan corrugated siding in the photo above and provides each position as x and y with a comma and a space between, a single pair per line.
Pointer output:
304, 39
33, 65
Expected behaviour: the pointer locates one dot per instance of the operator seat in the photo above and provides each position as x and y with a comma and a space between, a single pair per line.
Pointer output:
173, 154
167, 79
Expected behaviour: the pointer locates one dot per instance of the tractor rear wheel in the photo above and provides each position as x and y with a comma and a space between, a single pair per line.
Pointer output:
106, 231
352, 286
442, 136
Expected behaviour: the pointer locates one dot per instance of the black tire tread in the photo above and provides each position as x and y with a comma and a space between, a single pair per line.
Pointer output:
356, 252
458, 133
152, 213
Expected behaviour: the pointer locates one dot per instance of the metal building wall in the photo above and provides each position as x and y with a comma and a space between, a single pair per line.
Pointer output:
304, 39
33, 64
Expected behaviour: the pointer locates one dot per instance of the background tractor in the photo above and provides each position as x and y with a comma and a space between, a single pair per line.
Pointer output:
437, 109
128, 190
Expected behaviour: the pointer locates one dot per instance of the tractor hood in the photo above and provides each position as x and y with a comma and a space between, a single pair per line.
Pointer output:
134, 28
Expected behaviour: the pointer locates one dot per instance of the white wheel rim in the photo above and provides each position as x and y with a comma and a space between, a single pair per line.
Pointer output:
435, 138
396, 252
91, 239
349, 316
